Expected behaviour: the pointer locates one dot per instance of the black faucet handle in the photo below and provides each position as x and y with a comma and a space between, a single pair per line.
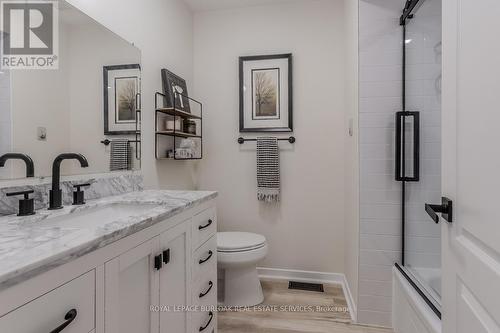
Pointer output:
79, 186
26, 205
79, 195
25, 193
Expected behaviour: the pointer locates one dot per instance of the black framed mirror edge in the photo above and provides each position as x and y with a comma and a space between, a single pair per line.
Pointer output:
105, 71
242, 60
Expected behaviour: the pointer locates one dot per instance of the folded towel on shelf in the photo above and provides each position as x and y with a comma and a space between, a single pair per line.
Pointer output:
268, 169
120, 157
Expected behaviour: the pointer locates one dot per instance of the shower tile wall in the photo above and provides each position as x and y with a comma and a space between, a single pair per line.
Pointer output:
5, 119
380, 195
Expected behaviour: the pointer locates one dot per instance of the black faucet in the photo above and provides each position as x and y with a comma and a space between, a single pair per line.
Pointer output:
30, 168
55, 195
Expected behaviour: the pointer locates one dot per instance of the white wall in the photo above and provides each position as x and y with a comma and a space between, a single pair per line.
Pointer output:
380, 39
163, 30
351, 157
306, 230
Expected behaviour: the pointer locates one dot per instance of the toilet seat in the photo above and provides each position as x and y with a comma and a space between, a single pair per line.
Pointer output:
228, 242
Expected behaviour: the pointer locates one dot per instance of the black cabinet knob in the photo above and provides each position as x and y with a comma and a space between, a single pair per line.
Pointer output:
26, 205
158, 262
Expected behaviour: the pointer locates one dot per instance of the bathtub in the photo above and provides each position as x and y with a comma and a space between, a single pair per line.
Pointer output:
410, 312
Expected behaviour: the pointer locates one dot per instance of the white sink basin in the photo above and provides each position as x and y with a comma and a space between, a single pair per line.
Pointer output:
101, 215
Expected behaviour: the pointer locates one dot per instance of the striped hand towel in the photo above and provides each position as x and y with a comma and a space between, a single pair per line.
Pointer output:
268, 169
120, 156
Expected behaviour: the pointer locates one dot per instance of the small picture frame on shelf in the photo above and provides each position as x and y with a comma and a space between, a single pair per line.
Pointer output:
121, 86
175, 90
266, 100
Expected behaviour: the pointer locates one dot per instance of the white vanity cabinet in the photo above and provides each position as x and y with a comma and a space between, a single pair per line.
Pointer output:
72, 304
131, 287
204, 272
152, 281
147, 288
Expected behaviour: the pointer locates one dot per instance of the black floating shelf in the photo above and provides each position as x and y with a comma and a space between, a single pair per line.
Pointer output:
177, 113
178, 134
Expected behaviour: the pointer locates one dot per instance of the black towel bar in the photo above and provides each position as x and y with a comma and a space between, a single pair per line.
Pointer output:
107, 142
290, 139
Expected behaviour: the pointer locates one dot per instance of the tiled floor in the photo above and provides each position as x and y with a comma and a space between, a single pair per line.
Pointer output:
294, 311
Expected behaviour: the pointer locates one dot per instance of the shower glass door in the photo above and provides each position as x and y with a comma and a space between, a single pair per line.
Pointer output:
422, 96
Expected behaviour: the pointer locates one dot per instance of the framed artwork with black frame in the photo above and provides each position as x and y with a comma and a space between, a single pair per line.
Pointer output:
266, 93
122, 84
175, 88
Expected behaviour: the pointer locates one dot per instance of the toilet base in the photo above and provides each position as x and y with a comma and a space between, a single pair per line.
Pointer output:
242, 287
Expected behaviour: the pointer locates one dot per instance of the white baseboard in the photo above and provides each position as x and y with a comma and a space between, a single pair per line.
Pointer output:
312, 277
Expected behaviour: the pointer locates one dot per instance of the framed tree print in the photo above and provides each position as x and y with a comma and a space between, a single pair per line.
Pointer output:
266, 101
122, 85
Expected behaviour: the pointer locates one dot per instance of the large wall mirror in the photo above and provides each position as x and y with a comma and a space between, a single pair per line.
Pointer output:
89, 105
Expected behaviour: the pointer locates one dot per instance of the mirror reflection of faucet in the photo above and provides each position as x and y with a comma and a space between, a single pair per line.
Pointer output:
30, 168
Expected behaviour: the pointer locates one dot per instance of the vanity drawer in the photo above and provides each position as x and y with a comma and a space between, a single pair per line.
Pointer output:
53, 309
205, 259
204, 322
204, 226
205, 290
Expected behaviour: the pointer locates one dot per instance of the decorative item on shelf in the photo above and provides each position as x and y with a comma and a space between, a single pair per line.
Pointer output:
122, 86
266, 93
174, 123
175, 90
190, 126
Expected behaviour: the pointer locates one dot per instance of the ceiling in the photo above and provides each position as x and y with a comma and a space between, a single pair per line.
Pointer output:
203, 5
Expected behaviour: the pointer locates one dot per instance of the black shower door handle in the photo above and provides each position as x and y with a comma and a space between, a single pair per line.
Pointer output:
401, 149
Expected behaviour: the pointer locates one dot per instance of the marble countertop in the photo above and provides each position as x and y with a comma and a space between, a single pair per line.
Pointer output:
33, 245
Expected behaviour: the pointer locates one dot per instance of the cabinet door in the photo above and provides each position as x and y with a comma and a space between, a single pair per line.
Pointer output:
131, 290
175, 277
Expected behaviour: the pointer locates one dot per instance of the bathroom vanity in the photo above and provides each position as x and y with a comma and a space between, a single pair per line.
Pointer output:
143, 261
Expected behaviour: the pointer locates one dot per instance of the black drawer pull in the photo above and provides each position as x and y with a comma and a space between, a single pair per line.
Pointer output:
158, 264
210, 254
69, 317
210, 285
166, 256
211, 314
201, 227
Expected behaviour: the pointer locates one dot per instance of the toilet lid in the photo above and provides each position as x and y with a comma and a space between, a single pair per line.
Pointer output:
239, 241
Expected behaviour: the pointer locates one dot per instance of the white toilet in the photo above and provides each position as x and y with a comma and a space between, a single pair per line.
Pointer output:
237, 256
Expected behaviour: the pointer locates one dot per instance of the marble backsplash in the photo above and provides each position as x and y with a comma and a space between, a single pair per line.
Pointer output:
100, 187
